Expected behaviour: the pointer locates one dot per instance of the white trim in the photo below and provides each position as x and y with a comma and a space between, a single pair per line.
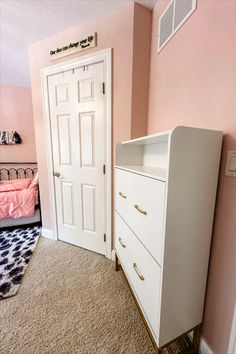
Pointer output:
232, 339
47, 233
174, 30
46, 116
108, 68
105, 56
113, 252
204, 348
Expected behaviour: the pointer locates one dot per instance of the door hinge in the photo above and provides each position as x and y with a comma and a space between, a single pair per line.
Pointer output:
103, 87
105, 237
104, 169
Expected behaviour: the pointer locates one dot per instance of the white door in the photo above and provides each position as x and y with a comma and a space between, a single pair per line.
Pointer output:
76, 103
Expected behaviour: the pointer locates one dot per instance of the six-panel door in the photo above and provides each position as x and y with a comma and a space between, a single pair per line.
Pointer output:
78, 142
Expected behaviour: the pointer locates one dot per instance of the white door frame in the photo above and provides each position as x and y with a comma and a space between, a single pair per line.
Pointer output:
95, 57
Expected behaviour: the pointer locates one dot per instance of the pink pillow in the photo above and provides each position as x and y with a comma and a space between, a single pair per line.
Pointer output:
15, 184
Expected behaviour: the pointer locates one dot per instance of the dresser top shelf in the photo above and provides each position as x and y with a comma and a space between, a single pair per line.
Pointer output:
150, 155
152, 172
164, 136
150, 139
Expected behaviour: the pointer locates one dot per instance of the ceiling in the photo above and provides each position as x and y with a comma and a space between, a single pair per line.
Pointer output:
23, 22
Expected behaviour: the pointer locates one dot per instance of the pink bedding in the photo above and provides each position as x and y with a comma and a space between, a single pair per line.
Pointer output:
17, 200
15, 184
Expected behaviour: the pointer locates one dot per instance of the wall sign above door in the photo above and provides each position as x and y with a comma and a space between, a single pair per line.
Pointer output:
87, 42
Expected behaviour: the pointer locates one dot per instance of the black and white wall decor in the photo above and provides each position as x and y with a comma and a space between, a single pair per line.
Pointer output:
9, 138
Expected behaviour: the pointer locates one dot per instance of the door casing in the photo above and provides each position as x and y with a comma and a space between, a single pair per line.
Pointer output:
96, 57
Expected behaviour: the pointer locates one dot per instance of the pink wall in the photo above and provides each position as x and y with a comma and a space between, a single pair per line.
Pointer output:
16, 113
141, 63
115, 30
193, 82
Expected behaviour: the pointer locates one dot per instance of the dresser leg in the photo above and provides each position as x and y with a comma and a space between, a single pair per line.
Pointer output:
196, 339
116, 263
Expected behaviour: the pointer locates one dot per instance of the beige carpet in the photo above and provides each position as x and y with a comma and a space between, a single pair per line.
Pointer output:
71, 301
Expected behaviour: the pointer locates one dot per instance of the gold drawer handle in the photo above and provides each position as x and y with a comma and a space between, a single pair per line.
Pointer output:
120, 239
141, 211
122, 195
137, 271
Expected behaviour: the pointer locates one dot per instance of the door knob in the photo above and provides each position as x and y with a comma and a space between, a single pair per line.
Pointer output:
56, 174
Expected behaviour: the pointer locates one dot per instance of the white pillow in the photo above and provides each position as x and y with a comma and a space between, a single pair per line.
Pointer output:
35, 180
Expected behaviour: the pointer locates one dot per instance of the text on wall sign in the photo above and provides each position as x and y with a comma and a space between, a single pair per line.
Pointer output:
87, 42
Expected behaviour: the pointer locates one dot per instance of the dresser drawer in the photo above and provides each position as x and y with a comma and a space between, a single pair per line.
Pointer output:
121, 240
123, 187
143, 208
141, 269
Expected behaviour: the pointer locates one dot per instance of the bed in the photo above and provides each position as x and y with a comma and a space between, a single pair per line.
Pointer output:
19, 195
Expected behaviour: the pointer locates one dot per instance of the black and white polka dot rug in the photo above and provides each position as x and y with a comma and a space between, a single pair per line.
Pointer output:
16, 248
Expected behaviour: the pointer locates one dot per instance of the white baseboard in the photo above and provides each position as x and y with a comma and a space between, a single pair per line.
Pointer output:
232, 338
47, 233
204, 348
113, 255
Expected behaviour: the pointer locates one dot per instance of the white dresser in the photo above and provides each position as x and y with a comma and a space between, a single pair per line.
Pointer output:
165, 188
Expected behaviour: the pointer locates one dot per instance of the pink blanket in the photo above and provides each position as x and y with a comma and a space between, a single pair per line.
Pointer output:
15, 184
16, 201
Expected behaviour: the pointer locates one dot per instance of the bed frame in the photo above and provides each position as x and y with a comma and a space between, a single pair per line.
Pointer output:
15, 173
